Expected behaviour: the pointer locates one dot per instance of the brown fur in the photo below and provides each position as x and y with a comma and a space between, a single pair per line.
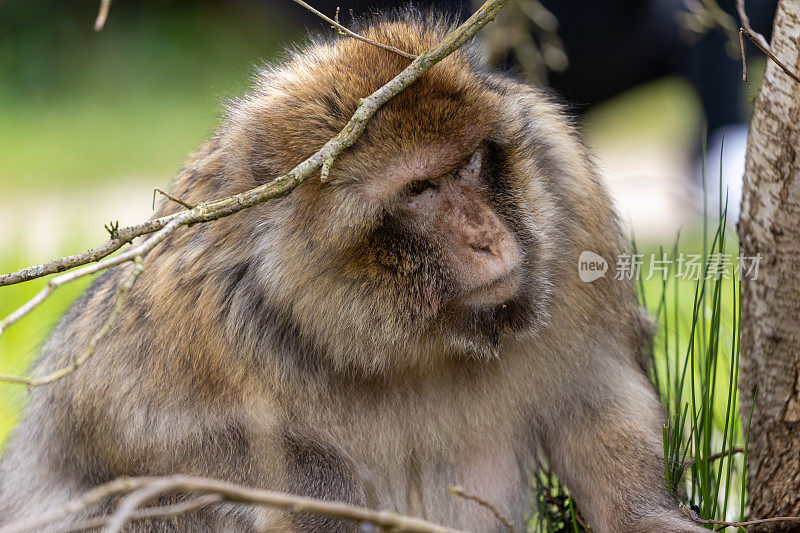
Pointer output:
310, 344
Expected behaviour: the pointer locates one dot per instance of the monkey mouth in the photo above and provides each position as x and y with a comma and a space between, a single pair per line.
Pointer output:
496, 292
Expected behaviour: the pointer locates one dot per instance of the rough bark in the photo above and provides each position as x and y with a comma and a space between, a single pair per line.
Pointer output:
770, 226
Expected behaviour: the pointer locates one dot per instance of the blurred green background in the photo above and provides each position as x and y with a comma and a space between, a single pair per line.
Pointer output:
82, 108
91, 122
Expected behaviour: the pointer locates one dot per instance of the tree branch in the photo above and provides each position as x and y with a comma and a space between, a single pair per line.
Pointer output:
754, 37
165, 511
691, 513
729, 451
280, 186
760, 42
173, 198
124, 236
139, 490
354, 35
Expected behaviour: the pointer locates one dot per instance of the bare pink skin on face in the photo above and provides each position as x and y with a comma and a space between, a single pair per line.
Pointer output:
447, 201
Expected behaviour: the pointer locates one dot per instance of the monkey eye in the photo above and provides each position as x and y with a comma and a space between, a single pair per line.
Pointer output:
419, 186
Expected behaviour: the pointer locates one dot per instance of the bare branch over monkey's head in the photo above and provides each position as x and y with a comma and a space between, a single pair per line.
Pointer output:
433, 233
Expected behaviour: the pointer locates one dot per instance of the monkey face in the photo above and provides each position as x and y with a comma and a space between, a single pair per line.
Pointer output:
450, 239
430, 234
453, 211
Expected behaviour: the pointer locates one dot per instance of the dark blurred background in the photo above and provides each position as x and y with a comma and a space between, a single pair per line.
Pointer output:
91, 121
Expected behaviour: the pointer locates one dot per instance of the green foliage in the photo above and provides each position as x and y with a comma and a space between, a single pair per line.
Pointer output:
696, 373
554, 509
695, 370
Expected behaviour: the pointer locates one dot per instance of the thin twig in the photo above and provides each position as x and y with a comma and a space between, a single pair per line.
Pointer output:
122, 295
162, 512
744, 62
760, 42
281, 185
123, 236
354, 35
152, 487
718, 455
173, 198
752, 36
459, 491
691, 513
185, 217
102, 15
131, 503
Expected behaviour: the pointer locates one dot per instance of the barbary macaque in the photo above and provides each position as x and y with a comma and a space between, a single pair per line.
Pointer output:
416, 321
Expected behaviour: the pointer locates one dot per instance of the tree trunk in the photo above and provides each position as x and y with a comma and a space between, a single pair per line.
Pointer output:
770, 226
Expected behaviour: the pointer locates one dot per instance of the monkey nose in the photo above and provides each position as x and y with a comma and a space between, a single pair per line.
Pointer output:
497, 253
495, 269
